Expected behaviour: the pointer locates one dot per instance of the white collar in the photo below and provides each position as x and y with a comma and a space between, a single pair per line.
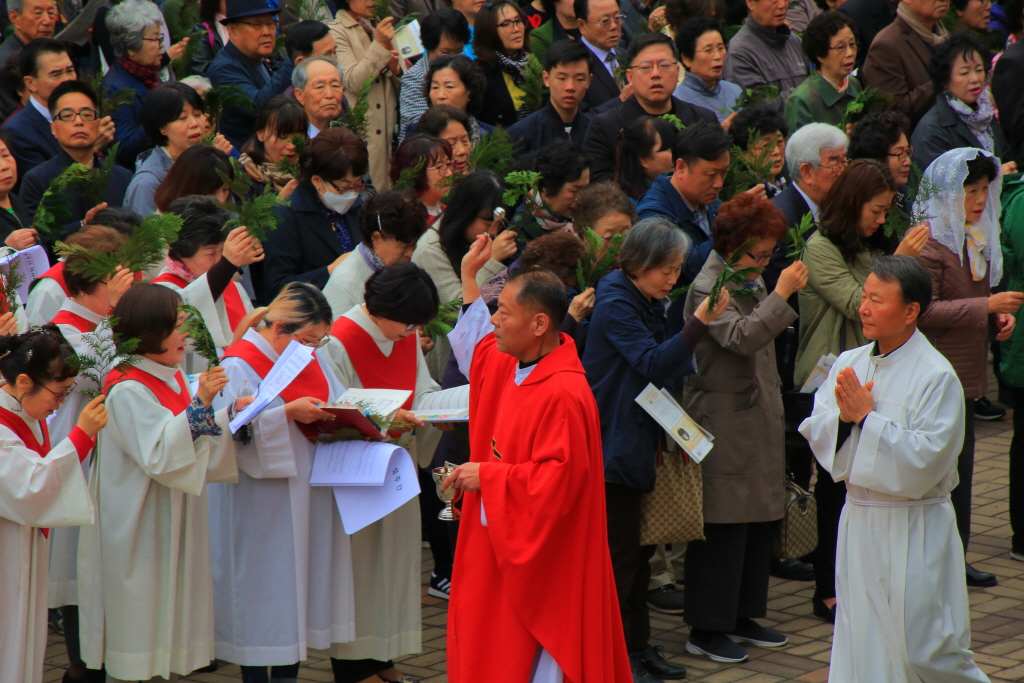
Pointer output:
10, 403
40, 108
71, 306
602, 55
811, 205
165, 374
360, 317
257, 340
313, 131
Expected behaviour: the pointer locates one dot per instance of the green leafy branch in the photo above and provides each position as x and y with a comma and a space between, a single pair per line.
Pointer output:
104, 355
355, 118
494, 152
144, 248
535, 93
109, 102
795, 236
217, 100
286, 165
674, 120
444, 321
199, 334
255, 212
756, 95
731, 274
920, 189
306, 10
600, 259
867, 100
182, 64
746, 167
55, 209
408, 177
523, 186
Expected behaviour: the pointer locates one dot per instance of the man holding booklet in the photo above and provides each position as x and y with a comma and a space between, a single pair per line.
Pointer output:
534, 497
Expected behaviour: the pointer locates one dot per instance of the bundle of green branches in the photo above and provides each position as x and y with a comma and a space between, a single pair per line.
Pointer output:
188, 14
674, 120
867, 101
109, 102
444, 321
495, 152
535, 92
746, 168
738, 276
756, 95
217, 100
407, 178
182, 65
11, 278
254, 211
355, 118
795, 236
523, 186
104, 355
199, 334
919, 189
90, 183
600, 259
286, 165
144, 248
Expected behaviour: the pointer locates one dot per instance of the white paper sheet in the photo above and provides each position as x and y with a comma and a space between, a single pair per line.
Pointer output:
360, 506
293, 361
407, 40
351, 463
818, 374
690, 436
32, 263
449, 405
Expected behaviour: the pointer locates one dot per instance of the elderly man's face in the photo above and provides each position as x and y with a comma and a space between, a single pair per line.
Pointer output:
254, 36
882, 311
816, 182
768, 13
516, 327
928, 10
321, 98
37, 19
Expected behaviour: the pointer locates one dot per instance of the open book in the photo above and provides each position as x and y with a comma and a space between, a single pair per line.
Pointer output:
449, 405
367, 410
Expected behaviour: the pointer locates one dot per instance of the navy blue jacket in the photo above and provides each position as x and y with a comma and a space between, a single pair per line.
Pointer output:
629, 346
128, 130
231, 67
545, 127
664, 200
304, 244
32, 141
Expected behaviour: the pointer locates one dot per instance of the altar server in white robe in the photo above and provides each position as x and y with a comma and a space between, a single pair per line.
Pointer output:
282, 565
375, 346
202, 264
40, 487
888, 422
145, 589
80, 314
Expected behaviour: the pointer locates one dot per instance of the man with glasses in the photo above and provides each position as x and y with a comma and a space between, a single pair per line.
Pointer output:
243, 62
765, 51
76, 127
601, 29
653, 72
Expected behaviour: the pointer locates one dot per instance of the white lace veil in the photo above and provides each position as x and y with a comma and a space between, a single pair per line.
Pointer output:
940, 201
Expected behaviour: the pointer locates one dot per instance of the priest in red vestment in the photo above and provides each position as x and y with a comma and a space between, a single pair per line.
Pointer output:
533, 596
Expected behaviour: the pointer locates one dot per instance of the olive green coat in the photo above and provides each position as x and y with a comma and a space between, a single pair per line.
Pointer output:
816, 101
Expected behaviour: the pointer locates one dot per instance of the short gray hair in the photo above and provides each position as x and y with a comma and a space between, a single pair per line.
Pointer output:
127, 23
300, 75
913, 278
15, 5
806, 145
652, 243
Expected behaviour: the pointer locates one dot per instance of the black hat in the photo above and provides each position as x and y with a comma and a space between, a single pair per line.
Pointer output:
239, 9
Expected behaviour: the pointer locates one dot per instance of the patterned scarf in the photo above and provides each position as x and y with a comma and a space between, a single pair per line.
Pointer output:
370, 256
267, 171
548, 221
977, 250
978, 119
146, 74
178, 268
514, 66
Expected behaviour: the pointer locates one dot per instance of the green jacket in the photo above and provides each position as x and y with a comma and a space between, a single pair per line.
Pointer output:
829, 303
816, 101
1012, 240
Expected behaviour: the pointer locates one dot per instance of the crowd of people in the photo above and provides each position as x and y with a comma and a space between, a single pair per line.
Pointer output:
847, 169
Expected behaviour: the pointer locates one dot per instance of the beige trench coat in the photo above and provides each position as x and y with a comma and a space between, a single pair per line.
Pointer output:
737, 396
359, 58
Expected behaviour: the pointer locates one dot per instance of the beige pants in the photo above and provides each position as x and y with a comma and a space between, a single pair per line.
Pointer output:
667, 565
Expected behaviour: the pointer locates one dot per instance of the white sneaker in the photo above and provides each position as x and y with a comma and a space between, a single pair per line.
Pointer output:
1017, 555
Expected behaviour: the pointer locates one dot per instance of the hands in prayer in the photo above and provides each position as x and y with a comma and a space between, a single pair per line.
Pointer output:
854, 399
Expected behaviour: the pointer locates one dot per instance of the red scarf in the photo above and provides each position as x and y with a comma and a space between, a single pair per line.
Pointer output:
232, 299
74, 320
56, 273
310, 382
146, 74
174, 401
21, 429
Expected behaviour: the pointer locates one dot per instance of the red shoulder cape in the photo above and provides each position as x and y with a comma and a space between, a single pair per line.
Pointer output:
74, 320
22, 431
542, 480
56, 273
174, 401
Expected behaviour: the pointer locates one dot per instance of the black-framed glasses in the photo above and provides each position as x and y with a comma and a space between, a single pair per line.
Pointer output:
607, 22
68, 115
903, 155
763, 258
356, 187
61, 395
511, 23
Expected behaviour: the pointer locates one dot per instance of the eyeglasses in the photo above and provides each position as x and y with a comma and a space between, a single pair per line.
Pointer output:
714, 51
158, 39
443, 168
852, 47
261, 25
839, 164
607, 22
762, 146
61, 395
356, 187
648, 67
511, 23
763, 258
322, 341
904, 155
68, 115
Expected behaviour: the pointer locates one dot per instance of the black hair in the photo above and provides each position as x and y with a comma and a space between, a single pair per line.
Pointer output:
875, 135
470, 73
164, 104
284, 117
404, 293
199, 170
398, 215
487, 42
28, 61
678, 12
645, 40
10, 75
68, 87
333, 154
558, 164
690, 32
149, 313
979, 167
202, 225
636, 142
42, 353
478, 193
818, 35
208, 11
1014, 10
300, 37
435, 119
701, 140
563, 52
913, 278
543, 292
120, 218
762, 119
443, 22
960, 44
581, 9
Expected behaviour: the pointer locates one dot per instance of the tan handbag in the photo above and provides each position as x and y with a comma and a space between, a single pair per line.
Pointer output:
674, 511
797, 533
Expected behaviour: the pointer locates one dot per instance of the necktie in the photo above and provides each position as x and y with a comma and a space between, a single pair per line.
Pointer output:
612, 68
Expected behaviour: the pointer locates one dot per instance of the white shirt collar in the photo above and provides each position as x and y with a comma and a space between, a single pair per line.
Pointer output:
811, 205
71, 306
257, 340
602, 55
40, 108
165, 374
313, 131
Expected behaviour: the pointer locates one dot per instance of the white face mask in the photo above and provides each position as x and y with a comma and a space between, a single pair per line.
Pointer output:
340, 203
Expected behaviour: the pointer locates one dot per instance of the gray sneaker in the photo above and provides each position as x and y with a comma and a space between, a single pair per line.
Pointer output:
668, 599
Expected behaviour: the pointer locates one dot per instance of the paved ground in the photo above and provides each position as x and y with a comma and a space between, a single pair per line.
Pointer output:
997, 613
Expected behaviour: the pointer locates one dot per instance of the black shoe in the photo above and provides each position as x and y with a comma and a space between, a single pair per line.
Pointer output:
640, 672
750, 632
984, 409
440, 587
667, 599
792, 570
655, 662
823, 611
209, 669
980, 579
715, 645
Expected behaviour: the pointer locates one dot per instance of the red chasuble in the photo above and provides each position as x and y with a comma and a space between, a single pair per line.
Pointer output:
22, 431
375, 370
174, 401
232, 299
542, 482
56, 272
76, 321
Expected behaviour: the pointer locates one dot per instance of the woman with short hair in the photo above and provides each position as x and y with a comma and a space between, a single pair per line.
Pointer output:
280, 120
642, 153
453, 126
431, 157
830, 43
564, 171
702, 51
199, 170
459, 82
605, 209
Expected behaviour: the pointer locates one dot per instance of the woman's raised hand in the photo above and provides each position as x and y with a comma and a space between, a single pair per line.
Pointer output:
706, 316
385, 32
504, 245
792, 280
241, 248
582, 304
119, 283
915, 239
210, 384
94, 416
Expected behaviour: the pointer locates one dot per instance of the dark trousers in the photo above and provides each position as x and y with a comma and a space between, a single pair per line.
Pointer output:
355, 670
727, 575
631, 563
1017, 471
435, 530
830, 496
258, 674
960, 497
